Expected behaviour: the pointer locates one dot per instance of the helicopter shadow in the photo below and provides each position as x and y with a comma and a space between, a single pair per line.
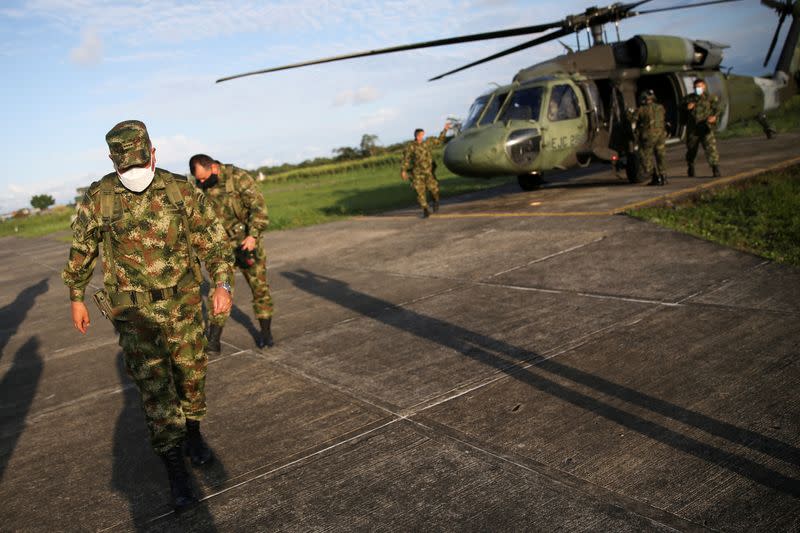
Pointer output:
549, 377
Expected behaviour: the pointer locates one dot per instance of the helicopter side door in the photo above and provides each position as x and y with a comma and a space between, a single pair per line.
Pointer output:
565, 126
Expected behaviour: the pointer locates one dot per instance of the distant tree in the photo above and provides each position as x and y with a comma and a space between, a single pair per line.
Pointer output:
369, 144
346, 152
42, 201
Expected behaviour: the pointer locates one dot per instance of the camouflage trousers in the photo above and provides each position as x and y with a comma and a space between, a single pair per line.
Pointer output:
164, 351
693, 141
652, 150
256, 277
423, 183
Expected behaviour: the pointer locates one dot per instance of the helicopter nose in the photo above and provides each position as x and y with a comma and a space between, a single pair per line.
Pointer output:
493, 151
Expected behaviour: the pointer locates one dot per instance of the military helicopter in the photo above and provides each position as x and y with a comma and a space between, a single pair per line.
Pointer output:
571, 110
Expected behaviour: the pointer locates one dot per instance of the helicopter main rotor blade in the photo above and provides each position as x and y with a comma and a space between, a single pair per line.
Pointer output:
539, 40
513, 32
686, 6
775, 38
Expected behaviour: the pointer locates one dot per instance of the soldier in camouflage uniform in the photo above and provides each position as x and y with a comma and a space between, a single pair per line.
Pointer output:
418, 160
152, 225
702, 111
651, 136
240, 206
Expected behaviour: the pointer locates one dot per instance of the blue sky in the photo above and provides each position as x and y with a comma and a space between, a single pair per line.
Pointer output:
74, 68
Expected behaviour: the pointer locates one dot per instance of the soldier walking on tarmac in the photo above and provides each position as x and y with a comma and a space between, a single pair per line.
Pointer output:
418, 161
235, 197
651, 136
702, 112
153, 225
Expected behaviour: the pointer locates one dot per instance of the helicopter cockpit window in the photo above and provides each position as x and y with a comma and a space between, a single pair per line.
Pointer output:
524, 105
494, 107
475, 111
563, 104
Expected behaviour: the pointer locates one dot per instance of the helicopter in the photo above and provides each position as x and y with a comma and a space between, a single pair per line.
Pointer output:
572, 110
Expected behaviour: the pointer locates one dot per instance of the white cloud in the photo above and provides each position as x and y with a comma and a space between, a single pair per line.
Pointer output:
379, 117
90, 50
173, 152
362, 95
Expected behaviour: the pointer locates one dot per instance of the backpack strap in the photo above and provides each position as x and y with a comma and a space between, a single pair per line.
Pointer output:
176, 199
236, 199
107, 213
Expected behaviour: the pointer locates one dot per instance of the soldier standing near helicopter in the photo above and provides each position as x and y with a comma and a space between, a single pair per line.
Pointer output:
702, 110
418, 160
651, 136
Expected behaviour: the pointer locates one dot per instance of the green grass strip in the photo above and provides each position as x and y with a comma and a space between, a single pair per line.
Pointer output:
760, 216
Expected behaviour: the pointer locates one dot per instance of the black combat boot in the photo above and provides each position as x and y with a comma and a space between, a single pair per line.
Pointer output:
436, 206
654, 179
662, 179
265, 339
182, 496
690, 171
214, 333
715, 171
425, 212
196, 447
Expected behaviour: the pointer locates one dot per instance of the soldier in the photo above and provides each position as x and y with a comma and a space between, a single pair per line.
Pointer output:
702, 110
418, 160
651, 136
153, 224
240, 206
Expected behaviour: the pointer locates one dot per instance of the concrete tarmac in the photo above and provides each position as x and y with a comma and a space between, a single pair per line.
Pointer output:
523, 361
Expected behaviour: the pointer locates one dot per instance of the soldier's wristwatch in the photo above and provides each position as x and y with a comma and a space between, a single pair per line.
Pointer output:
225, 285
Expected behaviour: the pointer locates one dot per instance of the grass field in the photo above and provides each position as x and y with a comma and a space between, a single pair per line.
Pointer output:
761, 216
312, 200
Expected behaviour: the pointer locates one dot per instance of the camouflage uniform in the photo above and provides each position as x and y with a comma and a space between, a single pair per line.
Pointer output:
161, 334
698, 130
254, 220
418, 160
651, 137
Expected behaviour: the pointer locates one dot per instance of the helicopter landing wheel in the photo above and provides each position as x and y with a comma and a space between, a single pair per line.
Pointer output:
632, 169
530, 182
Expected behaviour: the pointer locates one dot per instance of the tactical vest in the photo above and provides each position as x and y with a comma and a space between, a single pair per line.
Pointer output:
107, 212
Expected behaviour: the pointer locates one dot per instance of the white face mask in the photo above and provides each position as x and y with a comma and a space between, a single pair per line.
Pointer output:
698, 91
137, 179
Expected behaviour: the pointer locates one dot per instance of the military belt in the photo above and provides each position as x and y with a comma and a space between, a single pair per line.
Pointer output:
134, 298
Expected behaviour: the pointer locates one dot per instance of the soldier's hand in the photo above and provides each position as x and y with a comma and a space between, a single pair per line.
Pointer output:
712, 119
447, 125
249, 243
404, 175
690, 106
80, 316
222, 301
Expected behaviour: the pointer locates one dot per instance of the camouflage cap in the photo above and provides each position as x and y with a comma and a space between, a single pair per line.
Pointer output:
129, 144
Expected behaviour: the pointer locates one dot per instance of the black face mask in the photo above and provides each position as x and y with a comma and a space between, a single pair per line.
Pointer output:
208, 183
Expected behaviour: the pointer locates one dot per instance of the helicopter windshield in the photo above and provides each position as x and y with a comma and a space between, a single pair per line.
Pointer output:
524, 105
494, 106
475, 111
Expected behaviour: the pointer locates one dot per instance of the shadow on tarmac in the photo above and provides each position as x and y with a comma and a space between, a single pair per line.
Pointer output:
141, 478
236, 313
17, 389
18, 386
510, 359
13, 314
